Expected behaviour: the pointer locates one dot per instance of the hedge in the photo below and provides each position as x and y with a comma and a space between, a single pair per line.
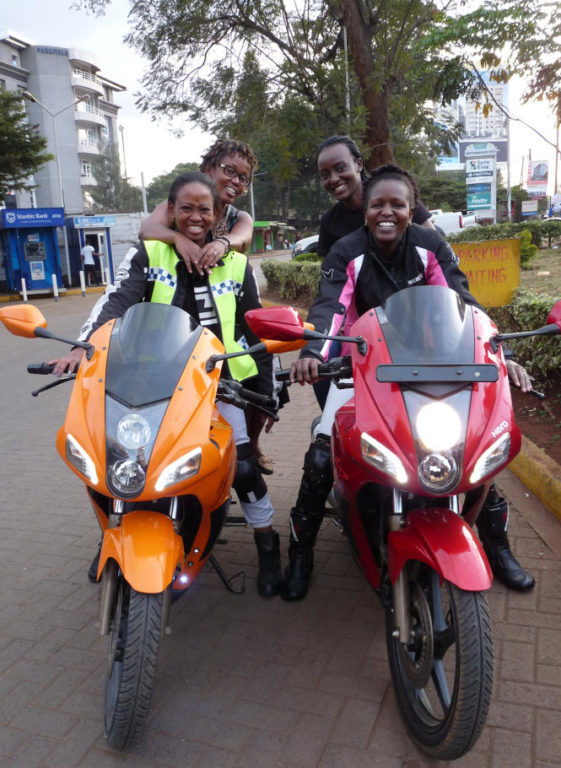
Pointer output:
544, 233
292, 280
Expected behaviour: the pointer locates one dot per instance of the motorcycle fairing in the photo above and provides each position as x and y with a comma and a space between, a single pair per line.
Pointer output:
146, 548
443, 540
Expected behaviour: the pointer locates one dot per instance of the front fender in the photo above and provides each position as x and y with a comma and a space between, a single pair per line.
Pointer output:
146, 548
443, 540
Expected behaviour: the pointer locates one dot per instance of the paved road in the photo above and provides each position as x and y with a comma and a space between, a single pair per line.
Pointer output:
242, 682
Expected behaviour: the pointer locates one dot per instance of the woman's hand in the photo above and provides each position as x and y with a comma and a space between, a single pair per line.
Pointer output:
211, 253
305, 370
518, 375
69, 363
190, 252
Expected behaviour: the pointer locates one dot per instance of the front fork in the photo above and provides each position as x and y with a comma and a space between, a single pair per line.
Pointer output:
110, 580
400, 590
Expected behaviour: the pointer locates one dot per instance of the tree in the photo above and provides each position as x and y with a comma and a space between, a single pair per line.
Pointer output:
111, 192
160, 185
22, 148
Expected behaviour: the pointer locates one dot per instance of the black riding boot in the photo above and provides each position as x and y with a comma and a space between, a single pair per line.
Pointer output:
270, 575
492, 527
306, 517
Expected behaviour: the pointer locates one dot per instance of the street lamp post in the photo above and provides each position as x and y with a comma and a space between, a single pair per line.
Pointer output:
30, 97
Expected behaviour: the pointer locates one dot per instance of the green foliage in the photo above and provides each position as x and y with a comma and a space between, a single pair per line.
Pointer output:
543, 234
22, 148
540, 355
306, 257
292, 281
159, 187
527, 249
445, 191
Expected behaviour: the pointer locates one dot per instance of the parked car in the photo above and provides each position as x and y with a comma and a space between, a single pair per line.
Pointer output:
452, 222
306, 245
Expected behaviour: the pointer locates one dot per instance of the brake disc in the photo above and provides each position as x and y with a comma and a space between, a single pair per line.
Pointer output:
418, 654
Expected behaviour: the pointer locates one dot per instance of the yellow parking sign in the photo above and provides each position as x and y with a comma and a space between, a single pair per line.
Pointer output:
492, 268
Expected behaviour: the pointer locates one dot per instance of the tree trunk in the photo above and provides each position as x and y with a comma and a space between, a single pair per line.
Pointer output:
374, 95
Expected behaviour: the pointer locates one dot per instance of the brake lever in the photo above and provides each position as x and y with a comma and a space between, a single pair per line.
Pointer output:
56, 383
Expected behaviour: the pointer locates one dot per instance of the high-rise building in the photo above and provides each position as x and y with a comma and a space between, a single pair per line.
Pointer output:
74, 106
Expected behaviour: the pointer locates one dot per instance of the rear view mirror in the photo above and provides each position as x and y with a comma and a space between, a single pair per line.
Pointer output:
554, 317
23, 319
278, 323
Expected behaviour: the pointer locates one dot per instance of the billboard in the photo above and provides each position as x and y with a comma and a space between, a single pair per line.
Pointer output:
480, 170
538, 172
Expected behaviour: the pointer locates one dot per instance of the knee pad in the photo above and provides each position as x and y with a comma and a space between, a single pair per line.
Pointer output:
317, 465
248, 480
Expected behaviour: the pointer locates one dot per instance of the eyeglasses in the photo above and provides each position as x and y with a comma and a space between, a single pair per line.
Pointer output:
231, 173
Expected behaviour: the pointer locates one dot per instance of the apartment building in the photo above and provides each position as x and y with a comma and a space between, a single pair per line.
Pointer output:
74, 107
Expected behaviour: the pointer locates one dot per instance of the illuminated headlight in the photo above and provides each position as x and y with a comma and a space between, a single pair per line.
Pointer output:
438, 472
79, 459
438, 426
180, 470
382, 458
127, 477
133, 431
492, 459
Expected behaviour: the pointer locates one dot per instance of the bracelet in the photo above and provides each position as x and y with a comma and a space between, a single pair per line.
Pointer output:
226, 242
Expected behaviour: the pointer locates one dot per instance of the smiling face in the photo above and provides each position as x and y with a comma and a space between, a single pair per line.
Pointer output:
388, 210
229, 188
193, 211
339, 171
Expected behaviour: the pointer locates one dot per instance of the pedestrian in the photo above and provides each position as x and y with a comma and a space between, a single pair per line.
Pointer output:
87, 254
217, 299
386, 254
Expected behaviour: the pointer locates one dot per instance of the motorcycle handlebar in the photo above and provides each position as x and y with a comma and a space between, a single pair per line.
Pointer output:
40, 368
337, 367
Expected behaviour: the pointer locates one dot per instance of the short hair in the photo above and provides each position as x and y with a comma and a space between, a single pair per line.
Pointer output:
395, 173
351, 146
192, 177
223, 147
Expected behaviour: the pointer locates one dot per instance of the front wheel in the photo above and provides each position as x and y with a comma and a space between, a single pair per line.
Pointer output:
443, 677
134, 641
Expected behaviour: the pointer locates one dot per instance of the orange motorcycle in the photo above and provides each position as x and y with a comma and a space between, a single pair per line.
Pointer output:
143, 432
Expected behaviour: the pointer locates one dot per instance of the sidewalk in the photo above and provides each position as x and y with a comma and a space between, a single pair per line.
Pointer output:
241, 681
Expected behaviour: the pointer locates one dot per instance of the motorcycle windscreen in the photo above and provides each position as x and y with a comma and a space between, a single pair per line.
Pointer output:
427, 324
150, 346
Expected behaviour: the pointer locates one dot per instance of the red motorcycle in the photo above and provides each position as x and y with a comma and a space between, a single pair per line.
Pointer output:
430, 423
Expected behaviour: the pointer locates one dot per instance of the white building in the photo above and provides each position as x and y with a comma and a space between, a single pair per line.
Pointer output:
76, 131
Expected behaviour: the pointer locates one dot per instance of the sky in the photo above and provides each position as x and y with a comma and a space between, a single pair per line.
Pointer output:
150, 147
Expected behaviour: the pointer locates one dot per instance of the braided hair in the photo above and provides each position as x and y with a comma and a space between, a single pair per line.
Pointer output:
395, 173
223, 147
351, 146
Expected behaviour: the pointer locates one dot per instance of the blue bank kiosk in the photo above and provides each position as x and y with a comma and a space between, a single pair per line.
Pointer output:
29, 246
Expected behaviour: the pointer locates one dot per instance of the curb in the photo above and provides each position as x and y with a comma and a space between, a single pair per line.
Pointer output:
532, 466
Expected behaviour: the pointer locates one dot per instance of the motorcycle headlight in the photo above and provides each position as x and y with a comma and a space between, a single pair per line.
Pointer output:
180, 470
382, 458
492, 459
438, 426
127, 477
438, 472
79, 459
133, 431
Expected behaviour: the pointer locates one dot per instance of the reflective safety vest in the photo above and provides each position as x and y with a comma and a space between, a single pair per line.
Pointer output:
225, 284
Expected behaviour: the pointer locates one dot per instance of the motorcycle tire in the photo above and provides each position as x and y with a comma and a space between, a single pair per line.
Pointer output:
134, 641
443, 678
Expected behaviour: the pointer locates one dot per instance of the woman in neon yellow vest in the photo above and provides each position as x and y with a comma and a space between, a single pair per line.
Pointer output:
231, 165
218, 300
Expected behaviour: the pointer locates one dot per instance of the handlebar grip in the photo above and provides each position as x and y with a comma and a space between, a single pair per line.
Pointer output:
41, 368
257, 398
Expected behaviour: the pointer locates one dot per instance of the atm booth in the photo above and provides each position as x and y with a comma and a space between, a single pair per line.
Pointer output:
94, 231
29, 247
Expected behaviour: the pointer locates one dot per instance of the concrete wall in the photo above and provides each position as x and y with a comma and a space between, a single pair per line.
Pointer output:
124, 235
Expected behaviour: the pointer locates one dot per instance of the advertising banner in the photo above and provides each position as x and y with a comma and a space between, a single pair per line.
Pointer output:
537, 178
492, 268
529, 207
480, 170
555, 205
479, 197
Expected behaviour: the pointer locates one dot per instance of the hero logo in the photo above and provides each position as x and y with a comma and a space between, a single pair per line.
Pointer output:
501, 428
